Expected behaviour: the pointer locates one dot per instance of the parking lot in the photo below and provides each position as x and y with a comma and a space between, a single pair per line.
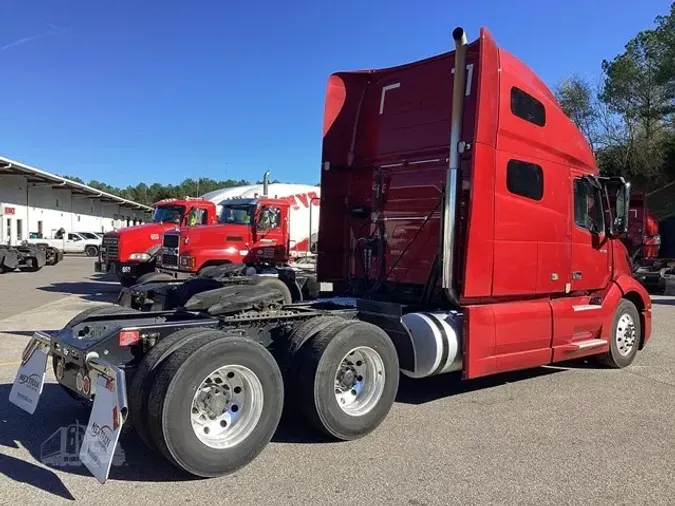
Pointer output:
557, 435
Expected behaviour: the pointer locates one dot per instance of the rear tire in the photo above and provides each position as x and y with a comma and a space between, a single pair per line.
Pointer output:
361, 358
32, 265
139, 390
625, 337
256, 404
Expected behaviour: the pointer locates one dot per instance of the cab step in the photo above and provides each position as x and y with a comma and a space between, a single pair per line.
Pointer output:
585, 344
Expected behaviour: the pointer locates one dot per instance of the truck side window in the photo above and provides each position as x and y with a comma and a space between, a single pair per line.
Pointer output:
526, 107
270, 218
197, 217
525, 179
588, 212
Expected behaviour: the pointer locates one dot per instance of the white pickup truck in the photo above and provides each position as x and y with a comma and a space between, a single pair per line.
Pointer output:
70, 242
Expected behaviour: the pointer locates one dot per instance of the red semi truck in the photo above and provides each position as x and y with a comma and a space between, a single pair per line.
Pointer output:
131, 252
268, 233
655, 271
269, 228
463, 230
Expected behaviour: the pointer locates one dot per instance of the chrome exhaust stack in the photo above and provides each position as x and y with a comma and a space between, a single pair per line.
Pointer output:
450, 198
266, 183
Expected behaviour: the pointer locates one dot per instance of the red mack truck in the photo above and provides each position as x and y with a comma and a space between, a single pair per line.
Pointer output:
463, 231
261, 238
654, 271
131, 252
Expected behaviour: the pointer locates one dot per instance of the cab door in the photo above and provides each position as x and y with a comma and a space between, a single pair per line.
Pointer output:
271, 243
590, 244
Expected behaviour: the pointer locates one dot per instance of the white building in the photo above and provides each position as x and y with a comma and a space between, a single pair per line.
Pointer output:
34, 201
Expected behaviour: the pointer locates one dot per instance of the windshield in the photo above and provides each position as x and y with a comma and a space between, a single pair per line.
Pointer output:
88, 235
237, 214
168, 214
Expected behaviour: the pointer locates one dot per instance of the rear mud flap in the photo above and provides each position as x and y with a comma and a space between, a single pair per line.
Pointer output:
108, 413
105, 422
30, 378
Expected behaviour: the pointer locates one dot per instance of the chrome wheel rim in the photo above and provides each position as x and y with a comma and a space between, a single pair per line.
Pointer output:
359, 381
227, 406
626, 334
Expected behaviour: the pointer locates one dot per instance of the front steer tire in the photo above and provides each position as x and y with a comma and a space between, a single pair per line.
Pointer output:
170, 404
328, 352
625, 337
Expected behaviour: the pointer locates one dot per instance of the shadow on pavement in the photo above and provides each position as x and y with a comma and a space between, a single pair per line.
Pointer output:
33, 475
420, 391
663, 302
88, 290
51, 437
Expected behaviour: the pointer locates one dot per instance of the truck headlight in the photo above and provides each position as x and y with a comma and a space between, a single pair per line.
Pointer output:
141, 257
187, 262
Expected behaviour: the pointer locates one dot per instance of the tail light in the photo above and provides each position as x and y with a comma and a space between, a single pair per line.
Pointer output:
130, 337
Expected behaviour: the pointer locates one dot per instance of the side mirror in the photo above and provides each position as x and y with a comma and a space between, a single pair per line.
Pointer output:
622, 208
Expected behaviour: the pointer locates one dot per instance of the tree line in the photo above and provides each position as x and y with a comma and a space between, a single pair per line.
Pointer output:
149, 194
627, 114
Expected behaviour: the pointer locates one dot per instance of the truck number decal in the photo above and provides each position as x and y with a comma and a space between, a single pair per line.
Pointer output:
154, 237
469, 78
467, 92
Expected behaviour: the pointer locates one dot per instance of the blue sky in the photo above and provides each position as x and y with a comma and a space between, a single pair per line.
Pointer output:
131, 91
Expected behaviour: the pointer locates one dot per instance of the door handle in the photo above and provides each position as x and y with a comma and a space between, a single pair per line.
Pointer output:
576, 275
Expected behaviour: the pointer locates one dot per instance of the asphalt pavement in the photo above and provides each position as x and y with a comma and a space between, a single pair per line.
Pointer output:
555, 435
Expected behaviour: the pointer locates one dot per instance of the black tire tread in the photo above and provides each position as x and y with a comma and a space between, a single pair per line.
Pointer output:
139, 390
170, 372
161, 384
310, 358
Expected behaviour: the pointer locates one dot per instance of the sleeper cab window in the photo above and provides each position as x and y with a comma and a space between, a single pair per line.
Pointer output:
588, 212
526, 107
525, 179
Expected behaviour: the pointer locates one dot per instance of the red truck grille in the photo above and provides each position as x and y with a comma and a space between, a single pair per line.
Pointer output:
169, 260
170, 250
112, 248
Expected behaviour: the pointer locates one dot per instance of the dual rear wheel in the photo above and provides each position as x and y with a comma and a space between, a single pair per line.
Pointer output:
210, 401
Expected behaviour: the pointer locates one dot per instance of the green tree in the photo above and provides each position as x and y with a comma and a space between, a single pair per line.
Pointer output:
578, 100
628, 117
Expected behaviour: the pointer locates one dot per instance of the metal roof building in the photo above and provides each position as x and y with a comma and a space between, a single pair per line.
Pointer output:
33, 201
